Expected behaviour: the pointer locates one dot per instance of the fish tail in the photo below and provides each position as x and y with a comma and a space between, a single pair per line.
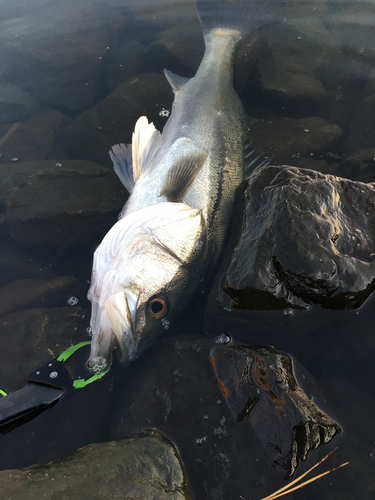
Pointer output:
244, 16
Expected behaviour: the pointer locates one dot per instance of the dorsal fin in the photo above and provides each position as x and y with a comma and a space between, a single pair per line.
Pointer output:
121, 156
146, 141
175, 81
184, 169
253, 160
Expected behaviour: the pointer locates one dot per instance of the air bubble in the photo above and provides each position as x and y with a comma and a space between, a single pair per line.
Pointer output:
166, 324
72, 301
288, 312
89, 331
223, 339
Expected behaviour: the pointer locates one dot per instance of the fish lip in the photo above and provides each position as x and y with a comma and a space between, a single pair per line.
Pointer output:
121, 309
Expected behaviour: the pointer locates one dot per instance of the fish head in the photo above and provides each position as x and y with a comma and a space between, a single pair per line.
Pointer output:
145, 271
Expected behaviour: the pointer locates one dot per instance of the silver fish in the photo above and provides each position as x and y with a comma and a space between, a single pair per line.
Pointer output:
198, 160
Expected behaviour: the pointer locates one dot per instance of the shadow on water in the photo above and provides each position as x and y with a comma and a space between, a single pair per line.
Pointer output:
74, 78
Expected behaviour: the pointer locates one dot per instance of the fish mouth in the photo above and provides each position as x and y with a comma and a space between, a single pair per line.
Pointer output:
121, 309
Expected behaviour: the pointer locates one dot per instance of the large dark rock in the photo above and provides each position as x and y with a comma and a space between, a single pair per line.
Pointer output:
79, 199
259, 384
145, 465
307, 238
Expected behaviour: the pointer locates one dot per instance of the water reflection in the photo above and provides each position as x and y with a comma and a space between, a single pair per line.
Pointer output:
74, 79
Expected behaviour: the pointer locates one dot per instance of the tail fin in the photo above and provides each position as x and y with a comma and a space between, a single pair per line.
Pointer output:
241, 15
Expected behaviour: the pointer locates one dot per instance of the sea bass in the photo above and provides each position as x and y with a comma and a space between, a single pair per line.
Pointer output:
198, 161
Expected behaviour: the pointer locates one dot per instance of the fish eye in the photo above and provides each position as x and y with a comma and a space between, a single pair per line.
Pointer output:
158, 307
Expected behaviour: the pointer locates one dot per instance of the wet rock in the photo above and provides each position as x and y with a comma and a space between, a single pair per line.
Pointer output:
145, 465
58, 52
31, 338
331, 264
92, 134
259, 384
33, 139
286, 138
15, 103
79, 198
28, 293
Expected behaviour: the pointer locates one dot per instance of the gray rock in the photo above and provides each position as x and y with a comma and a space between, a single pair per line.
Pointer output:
15, 103
78, 199
145, 465
286, 138
28, 293
308, 238
31, 338
33, 139
112, 120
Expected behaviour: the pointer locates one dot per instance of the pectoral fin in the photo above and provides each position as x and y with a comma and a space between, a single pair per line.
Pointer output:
121, 156
183, 171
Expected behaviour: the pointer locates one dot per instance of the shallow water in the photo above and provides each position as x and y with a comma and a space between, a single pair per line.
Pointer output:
74, 79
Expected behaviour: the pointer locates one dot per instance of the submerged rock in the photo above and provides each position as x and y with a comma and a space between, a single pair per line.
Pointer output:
294, 50
31, 338
307, 238
79, 199
16, 264
180, 47
28, 293
58, 51
288, 138
15, 103
92, 134
33, 139
144, 465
